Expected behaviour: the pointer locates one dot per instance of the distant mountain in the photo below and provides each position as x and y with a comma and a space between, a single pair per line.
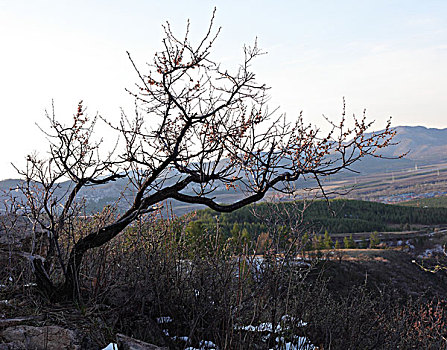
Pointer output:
119, 191
421, 144
424, 146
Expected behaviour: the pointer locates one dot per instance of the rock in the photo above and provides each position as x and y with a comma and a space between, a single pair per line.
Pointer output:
9, 346
39, 338
9, 322
128, 343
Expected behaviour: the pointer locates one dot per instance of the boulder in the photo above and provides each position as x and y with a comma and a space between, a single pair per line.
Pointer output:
39, 338
9, 346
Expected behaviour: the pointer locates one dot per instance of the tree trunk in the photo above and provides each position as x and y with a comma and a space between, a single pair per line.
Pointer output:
70, 289
43, 281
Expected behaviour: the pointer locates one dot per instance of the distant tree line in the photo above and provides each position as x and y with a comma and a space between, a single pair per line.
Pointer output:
341, 216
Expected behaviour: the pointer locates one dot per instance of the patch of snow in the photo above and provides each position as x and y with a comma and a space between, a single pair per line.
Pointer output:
287, 318
298, 343
202, 348
267, 326
265, 338
203, 345
408, 243
185, 339
111, 346
207, 344
299, 262
263, 327
429, 252
164, 319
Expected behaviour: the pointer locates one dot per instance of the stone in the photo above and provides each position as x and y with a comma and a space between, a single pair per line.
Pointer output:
9, 346
39, 338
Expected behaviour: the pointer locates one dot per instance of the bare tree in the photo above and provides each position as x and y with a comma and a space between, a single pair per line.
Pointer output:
197, 128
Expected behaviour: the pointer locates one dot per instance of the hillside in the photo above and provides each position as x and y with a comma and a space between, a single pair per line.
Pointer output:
420, 145
339, 217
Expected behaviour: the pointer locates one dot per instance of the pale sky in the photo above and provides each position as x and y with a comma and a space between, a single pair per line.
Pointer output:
389, 57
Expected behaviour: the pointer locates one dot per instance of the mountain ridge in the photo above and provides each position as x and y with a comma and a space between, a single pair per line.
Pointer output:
418, 143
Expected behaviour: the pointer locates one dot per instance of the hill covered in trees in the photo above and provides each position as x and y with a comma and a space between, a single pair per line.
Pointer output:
335, 216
